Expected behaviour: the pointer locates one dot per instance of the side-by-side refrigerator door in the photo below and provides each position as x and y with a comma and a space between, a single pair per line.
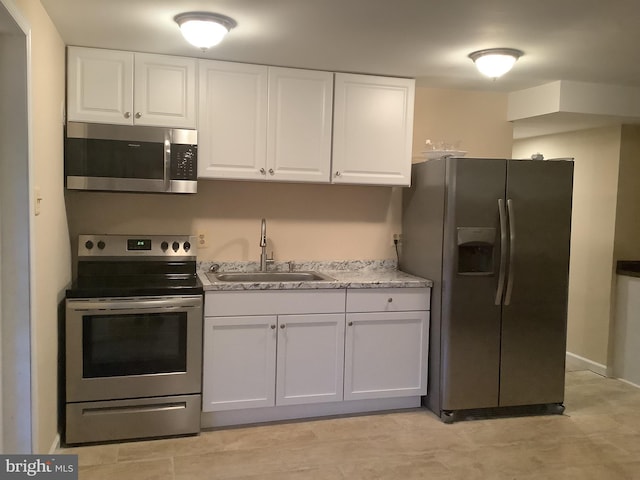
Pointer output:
470, 342
535, 303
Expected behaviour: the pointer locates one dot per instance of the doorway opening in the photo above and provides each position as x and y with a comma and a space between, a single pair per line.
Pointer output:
15, 277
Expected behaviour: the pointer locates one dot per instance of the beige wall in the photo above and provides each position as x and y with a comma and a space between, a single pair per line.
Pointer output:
477, 120
51, 258
596, 154
627, 245
304, 221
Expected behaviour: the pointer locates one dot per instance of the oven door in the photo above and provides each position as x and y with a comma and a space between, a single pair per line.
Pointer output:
119, 348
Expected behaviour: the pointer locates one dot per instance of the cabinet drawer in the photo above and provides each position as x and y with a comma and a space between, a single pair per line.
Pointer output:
388, 299
273, 302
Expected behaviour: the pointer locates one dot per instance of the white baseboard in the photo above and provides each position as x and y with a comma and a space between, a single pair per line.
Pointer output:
587, 364
312, 410
629, 383
55, 445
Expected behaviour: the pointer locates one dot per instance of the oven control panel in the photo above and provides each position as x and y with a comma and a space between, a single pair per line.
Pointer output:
137, 246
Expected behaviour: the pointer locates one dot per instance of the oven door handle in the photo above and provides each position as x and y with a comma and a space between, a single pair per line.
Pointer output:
135, 304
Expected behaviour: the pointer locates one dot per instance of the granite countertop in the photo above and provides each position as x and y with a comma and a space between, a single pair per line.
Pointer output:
346, 274
630, 268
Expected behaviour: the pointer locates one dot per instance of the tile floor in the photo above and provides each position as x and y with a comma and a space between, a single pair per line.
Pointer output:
598, 437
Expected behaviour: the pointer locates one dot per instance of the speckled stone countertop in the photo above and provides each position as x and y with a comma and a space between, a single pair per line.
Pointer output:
345, 274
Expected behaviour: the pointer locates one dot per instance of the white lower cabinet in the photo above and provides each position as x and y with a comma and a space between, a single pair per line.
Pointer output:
292, 358
310, 358
287, 348
387, 340
385, 355
239, 362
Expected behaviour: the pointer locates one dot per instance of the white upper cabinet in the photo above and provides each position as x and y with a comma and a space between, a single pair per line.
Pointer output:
165, 91
264, 123
232, 120
109, 86
372, 130
299, 125
99, 86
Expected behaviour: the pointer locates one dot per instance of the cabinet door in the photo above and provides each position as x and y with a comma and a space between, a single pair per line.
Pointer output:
238, 362
299, 125
386, 355
310, 358
373, 130
165, 91
232, 120
99, 86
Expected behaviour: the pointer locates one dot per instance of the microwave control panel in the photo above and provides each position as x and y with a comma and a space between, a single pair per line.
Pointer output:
184, 162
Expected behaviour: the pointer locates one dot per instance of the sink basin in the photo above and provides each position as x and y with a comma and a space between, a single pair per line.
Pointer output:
268, 277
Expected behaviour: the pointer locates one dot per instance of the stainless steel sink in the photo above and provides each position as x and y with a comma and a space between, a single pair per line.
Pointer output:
268, 277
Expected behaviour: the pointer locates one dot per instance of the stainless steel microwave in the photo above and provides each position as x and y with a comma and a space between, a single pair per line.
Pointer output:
129, 158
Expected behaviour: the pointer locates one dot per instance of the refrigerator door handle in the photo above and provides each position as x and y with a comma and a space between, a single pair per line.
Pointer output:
503, 251
512, 250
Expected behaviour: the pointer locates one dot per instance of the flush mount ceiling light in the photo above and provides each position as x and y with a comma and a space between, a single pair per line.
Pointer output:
204, 29
495, 62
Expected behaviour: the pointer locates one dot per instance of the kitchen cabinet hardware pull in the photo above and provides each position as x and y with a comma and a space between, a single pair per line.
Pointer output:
263, 171
390, 299
350, 324
127, 114
282, 325
338, 174
273, 327
271, 171
138, 115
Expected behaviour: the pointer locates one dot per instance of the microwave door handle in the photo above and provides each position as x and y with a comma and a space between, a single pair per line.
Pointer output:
167, 160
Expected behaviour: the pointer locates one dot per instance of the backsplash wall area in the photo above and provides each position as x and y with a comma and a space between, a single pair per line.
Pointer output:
304, 221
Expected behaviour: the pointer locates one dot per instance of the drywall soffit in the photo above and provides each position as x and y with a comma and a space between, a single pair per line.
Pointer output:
564, 106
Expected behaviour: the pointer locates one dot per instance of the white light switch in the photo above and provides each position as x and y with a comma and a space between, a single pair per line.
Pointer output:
37, 200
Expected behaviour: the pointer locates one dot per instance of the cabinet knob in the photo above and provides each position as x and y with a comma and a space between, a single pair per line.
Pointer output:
390, 300
282, 325
263, 171
338, 174
273, 327
271, 172
350, 324
138, 114
127, 114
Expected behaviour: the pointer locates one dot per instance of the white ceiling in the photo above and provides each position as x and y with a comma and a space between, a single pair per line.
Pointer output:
582, 40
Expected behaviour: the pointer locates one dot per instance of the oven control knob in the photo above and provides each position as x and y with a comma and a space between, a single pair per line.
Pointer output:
164, 246
175, 246
88, 244
101, 245
186, 246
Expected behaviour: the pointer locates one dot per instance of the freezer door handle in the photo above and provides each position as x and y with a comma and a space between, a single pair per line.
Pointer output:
512, 250
503, 251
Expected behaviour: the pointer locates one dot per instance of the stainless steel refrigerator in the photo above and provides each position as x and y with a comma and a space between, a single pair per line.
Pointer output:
493, 235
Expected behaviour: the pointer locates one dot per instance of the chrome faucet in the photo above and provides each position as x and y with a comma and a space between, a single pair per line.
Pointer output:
263, 246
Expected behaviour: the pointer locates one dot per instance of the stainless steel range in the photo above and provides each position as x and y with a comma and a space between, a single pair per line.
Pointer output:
133, 339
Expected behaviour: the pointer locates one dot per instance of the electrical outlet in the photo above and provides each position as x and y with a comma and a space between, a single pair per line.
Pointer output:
202, 240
